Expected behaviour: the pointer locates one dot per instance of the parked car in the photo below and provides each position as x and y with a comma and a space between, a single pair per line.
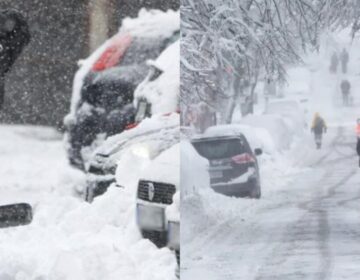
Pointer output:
156, 188
140, 144
158, 201
160, 96
233, 166
102, 101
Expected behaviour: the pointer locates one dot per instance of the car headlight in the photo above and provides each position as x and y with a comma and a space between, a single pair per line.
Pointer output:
150, 217
174, 235
142, 151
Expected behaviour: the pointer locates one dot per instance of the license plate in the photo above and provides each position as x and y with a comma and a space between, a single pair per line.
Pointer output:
150, 217
216, 174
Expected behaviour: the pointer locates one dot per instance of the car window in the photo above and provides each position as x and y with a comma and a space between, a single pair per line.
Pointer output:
219, 148
142, 49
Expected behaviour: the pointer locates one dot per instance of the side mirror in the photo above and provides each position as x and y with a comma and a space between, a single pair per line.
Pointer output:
15, 215
258, 151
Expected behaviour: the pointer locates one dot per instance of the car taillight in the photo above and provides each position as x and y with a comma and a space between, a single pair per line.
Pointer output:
114, 53
243, 158
132, 125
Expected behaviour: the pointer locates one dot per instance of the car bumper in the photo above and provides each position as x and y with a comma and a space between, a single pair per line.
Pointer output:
237, 190
150, 217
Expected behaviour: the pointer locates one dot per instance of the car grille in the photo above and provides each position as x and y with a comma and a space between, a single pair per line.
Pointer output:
163, 193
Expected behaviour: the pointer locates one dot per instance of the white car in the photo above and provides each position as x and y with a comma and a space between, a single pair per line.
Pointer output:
136, 147
158, 201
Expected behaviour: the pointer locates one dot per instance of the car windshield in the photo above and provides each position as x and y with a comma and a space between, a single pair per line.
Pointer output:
219, 148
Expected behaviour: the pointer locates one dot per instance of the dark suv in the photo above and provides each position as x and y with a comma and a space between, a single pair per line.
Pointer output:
233, 165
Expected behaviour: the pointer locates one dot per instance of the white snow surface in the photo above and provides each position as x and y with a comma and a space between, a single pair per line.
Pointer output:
163, 93
152, 23
68, 238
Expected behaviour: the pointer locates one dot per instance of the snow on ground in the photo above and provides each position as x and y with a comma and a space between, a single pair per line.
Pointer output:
305, 226
68, 238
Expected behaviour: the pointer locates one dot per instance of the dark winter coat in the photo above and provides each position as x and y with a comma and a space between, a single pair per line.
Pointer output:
318, 125
14, 36
345, 87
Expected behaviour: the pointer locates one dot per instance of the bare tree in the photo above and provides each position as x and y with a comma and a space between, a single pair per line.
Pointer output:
225, 47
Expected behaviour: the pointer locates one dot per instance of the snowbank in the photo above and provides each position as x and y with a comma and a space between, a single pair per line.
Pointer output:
68, 238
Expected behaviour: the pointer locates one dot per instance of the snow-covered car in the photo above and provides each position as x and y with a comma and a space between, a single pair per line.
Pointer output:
156, 187
103, 90
233, 169
161, 95
291, 111
139, 146
159, 92
158, 201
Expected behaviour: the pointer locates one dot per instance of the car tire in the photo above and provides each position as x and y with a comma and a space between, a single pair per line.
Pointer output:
256, 189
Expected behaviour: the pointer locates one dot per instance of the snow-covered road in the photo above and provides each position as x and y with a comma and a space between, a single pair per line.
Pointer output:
308, 229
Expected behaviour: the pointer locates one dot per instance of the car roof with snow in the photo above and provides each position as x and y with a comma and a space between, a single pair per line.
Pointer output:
223, 131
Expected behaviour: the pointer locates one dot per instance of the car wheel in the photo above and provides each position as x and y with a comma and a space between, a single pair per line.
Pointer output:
256, 189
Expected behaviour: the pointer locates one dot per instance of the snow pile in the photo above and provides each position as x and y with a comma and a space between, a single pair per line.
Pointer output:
152, 23
163, 92
68, 238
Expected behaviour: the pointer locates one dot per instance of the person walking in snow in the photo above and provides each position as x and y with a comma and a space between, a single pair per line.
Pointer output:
14, 36
318, 127
345, 91
344, 56
334, 62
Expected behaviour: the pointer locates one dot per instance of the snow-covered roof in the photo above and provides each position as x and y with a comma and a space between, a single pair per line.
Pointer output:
152, 23
163, 92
